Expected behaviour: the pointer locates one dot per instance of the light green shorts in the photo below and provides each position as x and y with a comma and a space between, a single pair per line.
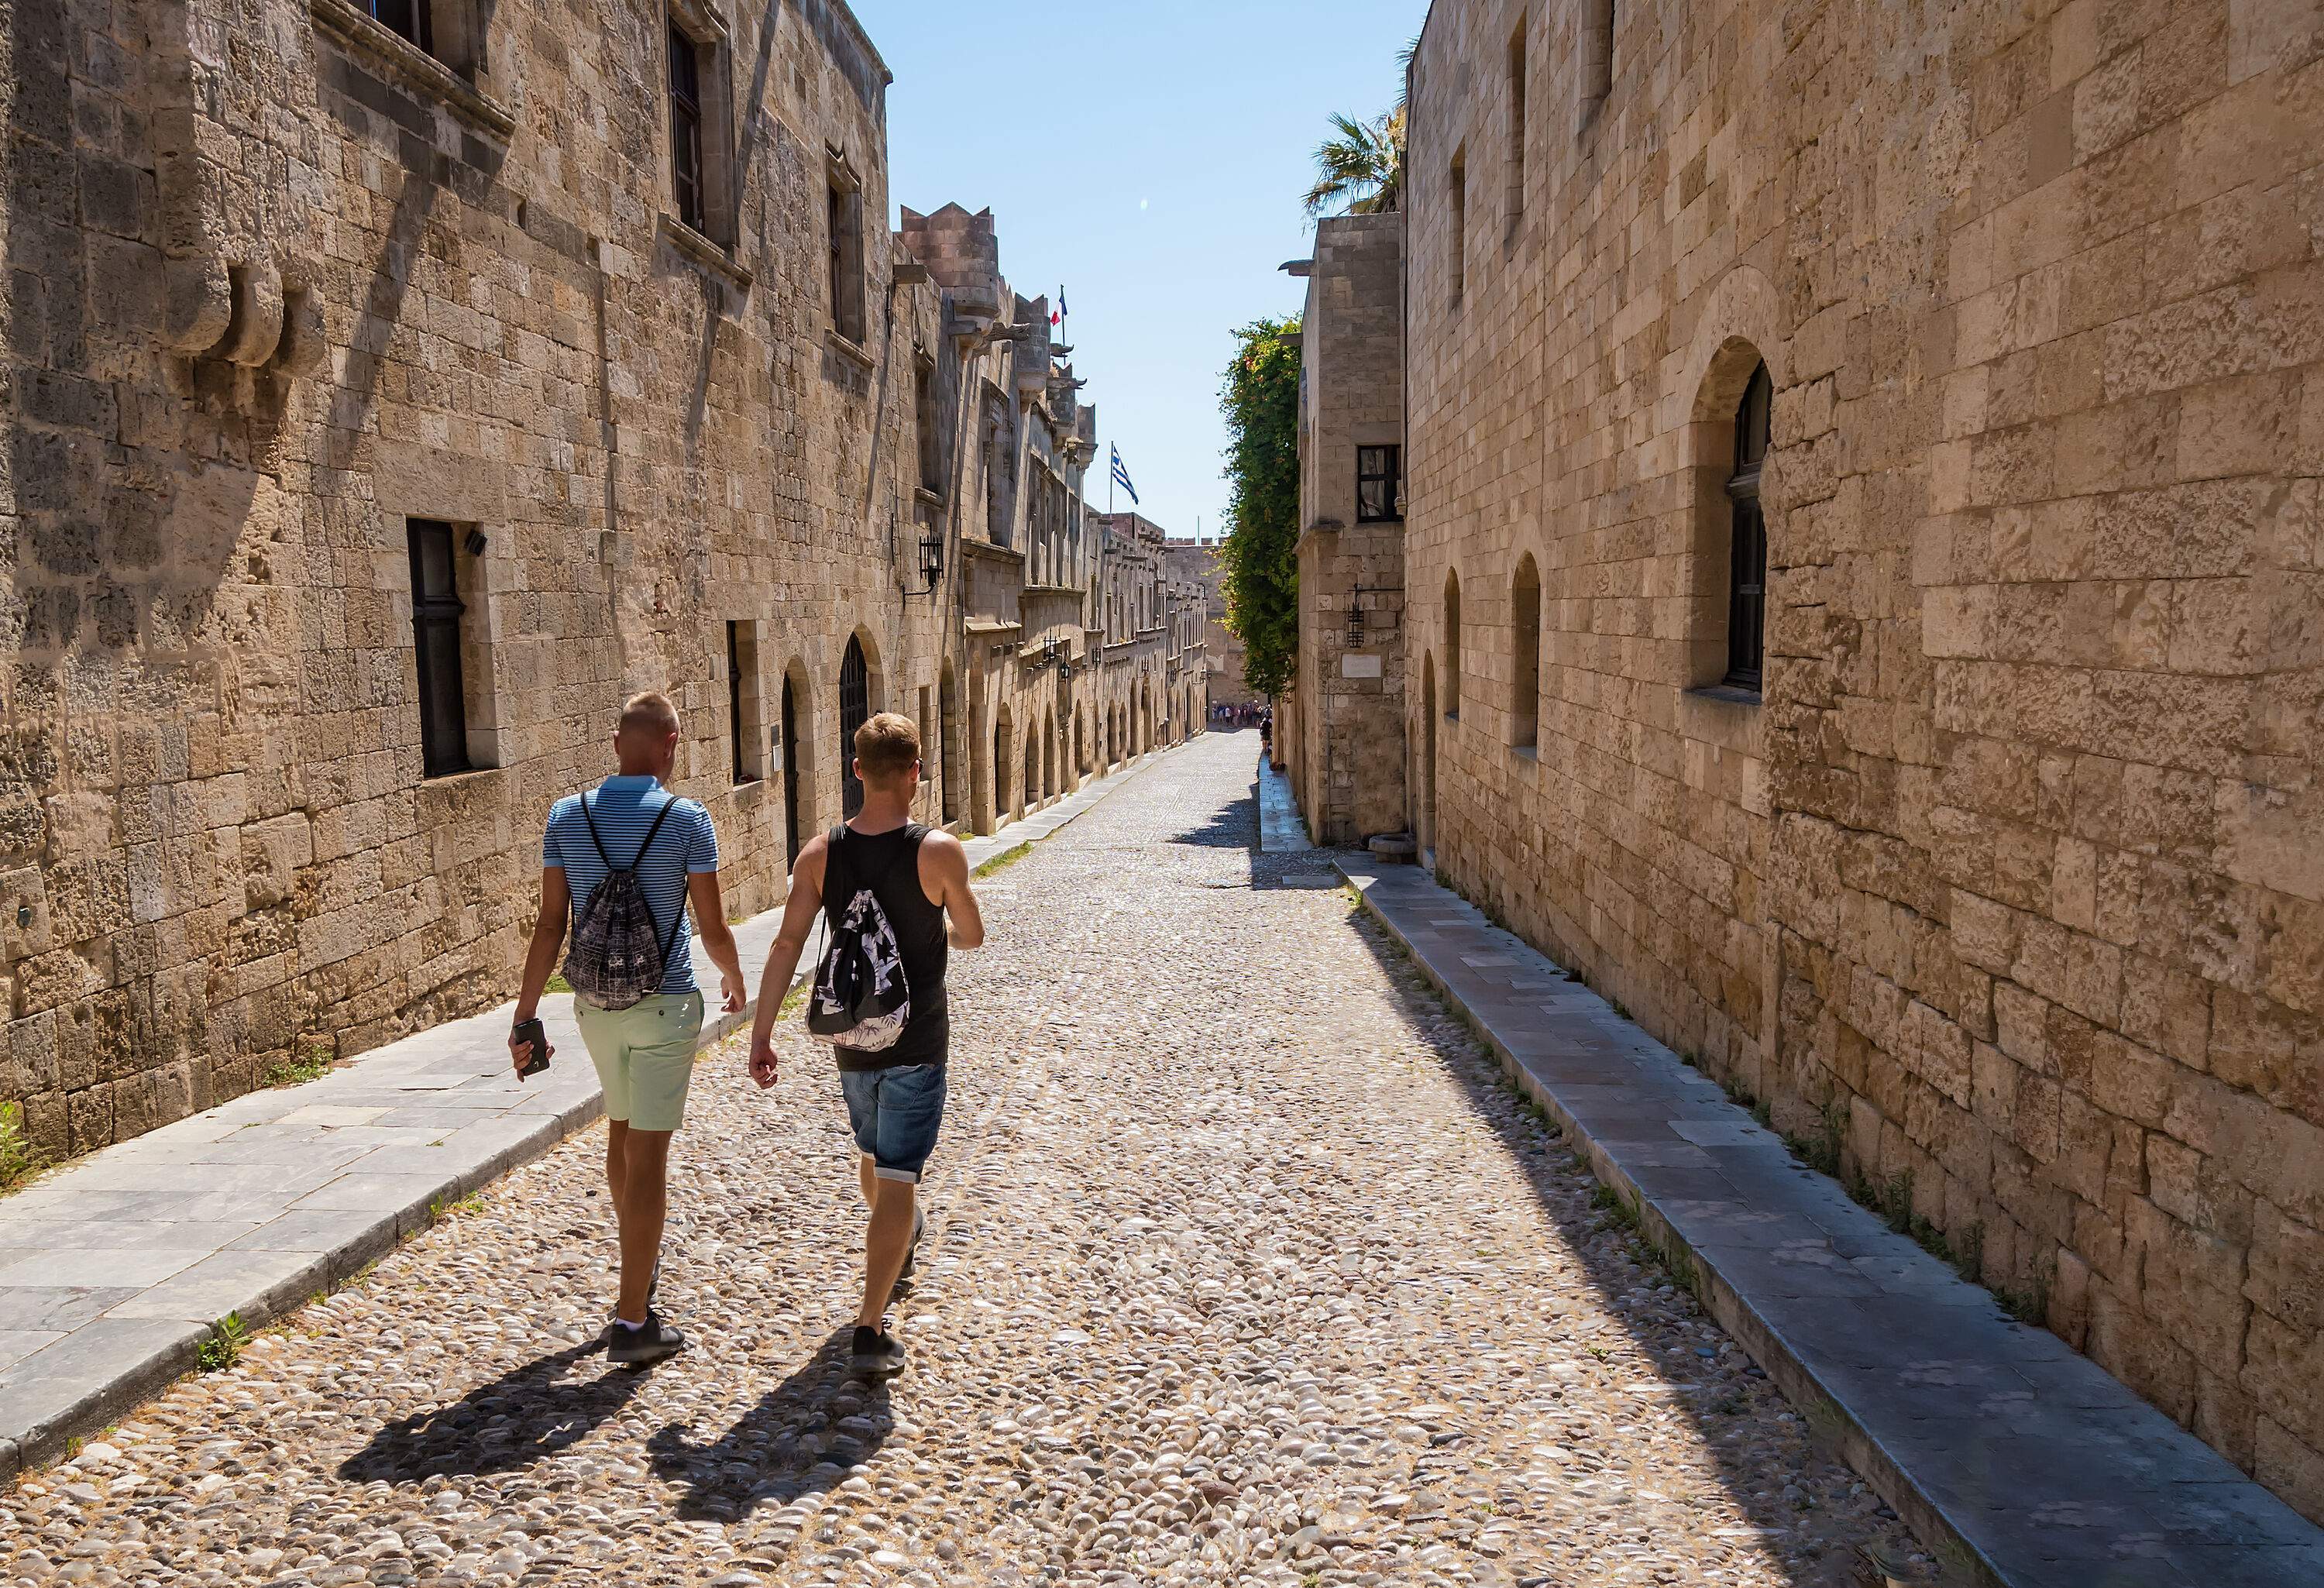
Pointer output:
644, 1056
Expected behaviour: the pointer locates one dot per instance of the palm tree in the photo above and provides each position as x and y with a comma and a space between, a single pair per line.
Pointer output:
1360, 168
1362, 165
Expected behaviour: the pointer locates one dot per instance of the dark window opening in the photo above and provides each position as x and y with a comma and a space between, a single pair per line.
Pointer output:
790, 773
436, 612
924, 408
407, 18
1747, 600
685, 127
738, 726
843, 222
855, 711
1458, 242
1376, 478
1517, 121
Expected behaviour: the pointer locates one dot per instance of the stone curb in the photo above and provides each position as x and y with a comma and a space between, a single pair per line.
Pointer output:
2184, 1517
154, 1353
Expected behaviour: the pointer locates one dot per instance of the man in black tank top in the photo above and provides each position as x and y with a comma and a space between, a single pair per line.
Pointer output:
895, 1096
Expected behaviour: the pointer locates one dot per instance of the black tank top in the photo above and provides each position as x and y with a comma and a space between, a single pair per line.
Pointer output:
889, 863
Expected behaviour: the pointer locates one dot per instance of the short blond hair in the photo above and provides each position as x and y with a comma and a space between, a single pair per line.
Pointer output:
648, 712
886, 747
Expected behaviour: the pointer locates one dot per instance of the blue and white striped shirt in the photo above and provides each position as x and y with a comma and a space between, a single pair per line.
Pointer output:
623, 809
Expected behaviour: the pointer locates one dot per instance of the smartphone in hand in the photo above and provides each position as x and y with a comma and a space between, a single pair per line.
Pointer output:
531, 1031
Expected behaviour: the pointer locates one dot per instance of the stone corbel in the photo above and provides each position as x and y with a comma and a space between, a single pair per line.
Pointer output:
201, 303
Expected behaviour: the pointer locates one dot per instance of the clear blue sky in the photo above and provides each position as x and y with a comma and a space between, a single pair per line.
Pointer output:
1150, 157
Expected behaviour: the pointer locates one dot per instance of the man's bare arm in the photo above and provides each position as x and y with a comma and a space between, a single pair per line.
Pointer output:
783, 956
548, 937
949, 861
717, 937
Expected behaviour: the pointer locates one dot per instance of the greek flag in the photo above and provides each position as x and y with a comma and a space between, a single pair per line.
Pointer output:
1121, 475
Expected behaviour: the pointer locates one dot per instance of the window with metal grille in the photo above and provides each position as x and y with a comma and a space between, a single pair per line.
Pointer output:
686, 126
1377, 468
406, 19
436, 610
855, 711
1746, 599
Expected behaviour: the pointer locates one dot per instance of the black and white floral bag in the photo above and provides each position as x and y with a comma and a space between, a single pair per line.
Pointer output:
862, 1001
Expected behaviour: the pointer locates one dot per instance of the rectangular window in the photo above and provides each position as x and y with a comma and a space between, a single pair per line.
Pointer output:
1375, 484
436, 612
1597, 53
843, 218
686, 128
924, 408
407, 18
1517, 123
1459, 240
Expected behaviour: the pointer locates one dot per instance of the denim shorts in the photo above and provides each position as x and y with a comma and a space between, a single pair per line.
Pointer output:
896, 1112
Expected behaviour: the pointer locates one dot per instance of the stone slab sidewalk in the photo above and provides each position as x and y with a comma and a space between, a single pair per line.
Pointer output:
114, 1270
1281, 831
2017, 1458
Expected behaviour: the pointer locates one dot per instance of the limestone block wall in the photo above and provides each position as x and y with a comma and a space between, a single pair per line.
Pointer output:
1345, 742
280, 285
2007, 877
1348, 772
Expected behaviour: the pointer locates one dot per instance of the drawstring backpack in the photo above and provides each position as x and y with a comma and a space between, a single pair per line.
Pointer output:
862, 1001
619, 952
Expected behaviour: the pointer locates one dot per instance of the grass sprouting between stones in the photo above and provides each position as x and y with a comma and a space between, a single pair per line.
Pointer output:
1006, 857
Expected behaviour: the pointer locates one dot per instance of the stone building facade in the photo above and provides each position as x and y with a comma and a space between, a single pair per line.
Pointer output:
383, 407
1194, 567
1154, 635
1864, 551
1343, 740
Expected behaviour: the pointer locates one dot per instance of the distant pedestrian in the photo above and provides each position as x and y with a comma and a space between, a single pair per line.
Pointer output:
642, 1043
917, 876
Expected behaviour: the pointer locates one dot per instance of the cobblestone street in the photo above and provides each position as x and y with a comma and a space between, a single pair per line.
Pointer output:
1243, 1265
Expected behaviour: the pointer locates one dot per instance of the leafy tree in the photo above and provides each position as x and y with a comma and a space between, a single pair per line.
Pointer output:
1260, 400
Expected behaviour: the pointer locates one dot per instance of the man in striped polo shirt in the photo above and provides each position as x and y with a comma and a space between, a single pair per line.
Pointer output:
644, 1053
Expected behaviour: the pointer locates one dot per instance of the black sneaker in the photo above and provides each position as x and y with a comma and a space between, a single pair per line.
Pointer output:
876, 1355
642, 1347
912, 1251
653, 1287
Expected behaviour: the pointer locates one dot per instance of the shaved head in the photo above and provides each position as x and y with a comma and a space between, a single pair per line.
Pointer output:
650, 714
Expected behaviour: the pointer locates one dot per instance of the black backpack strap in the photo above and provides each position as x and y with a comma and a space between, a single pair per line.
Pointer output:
651, 831
663, 939
600, 842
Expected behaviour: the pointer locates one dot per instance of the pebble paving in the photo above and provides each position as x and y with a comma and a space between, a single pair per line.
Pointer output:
1243, 1266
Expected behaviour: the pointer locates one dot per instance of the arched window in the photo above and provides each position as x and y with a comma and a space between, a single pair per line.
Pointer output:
855, 711
1524, 643
1746, 587
1452, 646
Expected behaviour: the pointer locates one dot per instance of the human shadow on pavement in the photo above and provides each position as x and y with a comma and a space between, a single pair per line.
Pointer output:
803, 1436
527, 1415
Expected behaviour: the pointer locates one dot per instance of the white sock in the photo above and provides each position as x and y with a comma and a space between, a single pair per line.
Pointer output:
627, 1324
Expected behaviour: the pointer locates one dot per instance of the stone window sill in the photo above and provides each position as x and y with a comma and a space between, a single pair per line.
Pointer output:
705, 253
1727, 694
362, 31
927, 498
848, 347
